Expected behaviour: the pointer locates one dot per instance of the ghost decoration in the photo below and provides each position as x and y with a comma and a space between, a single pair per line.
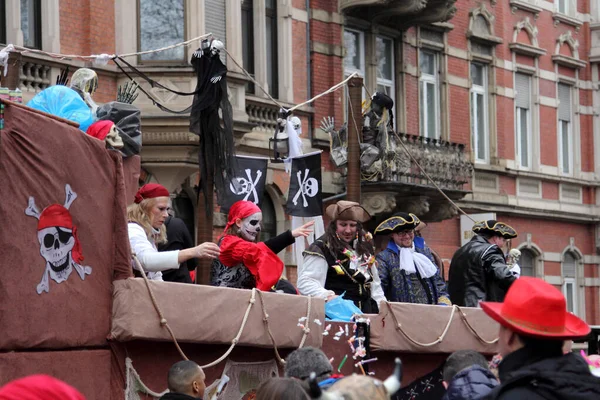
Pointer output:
59, 244
85, 82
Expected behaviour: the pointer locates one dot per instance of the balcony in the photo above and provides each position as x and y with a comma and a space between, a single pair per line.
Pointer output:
402, 185
400, 14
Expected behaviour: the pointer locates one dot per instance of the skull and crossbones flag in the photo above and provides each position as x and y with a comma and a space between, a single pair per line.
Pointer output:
248, 183
305, 197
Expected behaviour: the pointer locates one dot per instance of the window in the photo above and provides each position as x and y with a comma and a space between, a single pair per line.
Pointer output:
429, 94
562, 6
248, 41
354, 61
569, 272
385, 65
523, 119
565, 147
527, 262
31, 23
161, 23
479, 112
272, 59
269, 220
3, 21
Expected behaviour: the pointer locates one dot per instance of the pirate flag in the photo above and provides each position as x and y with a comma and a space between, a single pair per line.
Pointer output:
428, 387
305, 195
248, 182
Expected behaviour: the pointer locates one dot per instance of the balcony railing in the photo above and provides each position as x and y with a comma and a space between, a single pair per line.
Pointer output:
446, 163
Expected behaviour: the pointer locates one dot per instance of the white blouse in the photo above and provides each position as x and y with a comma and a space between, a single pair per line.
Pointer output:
151, 259
313, 273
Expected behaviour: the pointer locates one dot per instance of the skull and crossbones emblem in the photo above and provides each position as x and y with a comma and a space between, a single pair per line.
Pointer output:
59, 244
246, 186
307, 187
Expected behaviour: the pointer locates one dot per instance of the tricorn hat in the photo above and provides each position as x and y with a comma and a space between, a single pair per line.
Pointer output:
383, 100
533, 307
399, 222
495, 228
347, 210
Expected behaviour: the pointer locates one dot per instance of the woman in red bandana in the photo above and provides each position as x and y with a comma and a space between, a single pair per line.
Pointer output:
244, 263
146, 229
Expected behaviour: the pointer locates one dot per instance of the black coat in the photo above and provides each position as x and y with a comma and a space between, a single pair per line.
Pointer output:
478, 272
178, 396
470, 384
528, 377
178, 238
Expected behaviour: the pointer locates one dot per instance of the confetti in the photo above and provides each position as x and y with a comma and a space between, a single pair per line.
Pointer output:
316, 321
346, 329
325, 333
331, 360
372, 373
336, 338
302, 319
342, 363
328, 327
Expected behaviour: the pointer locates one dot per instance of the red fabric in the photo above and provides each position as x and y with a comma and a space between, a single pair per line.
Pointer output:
150, 191
534, 307
39, 387
240, 209
100, 129
257, 257
57, 215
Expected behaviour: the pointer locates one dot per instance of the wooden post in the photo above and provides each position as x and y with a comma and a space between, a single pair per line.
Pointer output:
205, 226
354, 132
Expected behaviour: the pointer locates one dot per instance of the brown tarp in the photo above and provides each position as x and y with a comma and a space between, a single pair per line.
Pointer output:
89, 371
206, 314
131, 175
426, 323
39, 156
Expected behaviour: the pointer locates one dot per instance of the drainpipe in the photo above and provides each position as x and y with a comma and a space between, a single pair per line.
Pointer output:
308, 62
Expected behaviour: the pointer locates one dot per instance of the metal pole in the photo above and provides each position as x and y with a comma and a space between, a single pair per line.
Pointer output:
354, 125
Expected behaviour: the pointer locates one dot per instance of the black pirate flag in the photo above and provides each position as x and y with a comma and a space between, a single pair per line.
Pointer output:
428, 387
305, 195
248, 182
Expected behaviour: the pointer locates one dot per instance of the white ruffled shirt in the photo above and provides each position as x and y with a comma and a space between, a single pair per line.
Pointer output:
151, 259
411, 261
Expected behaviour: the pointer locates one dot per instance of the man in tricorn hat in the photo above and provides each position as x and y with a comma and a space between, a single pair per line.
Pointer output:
534, 323
478, 270
406, 274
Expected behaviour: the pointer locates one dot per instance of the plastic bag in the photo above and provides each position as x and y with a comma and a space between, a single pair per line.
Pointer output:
340, 309
127, 119
63, 102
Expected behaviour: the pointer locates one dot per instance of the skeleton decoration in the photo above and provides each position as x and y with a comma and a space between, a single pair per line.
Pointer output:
106, 131
250, 228
293, 130
59, 244
85, 82
338, 141
308, 187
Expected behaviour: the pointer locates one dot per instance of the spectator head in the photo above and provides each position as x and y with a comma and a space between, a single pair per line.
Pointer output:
186, 377
301, 362
460, 360
39, 387
281, 388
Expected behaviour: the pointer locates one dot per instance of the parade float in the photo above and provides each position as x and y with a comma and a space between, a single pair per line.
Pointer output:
72, 309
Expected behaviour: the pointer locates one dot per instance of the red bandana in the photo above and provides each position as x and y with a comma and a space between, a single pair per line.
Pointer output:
56, 215
150, 191
37, 387
240, 209
100, 129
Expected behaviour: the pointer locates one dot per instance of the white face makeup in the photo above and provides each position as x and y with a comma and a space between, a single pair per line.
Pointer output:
250, 227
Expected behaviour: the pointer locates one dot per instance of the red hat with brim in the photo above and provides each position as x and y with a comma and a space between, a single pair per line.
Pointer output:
533, 307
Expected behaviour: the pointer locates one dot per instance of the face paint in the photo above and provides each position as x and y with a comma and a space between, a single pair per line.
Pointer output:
250, 228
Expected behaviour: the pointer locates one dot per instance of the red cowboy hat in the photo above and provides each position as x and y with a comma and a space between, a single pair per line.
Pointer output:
533, 307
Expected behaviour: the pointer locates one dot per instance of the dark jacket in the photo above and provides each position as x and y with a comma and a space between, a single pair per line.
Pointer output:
471, 383
478, 272
178, 238
178, 396
528, 377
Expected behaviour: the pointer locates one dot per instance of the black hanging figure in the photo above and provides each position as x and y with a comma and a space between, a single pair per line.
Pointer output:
216, 139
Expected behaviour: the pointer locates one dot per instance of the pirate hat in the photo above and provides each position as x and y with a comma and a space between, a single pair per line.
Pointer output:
398, 223
533, 307
495, 228
347, 210
383, 100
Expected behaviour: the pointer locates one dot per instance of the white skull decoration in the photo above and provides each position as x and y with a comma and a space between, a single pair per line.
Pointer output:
59, 245
114, 139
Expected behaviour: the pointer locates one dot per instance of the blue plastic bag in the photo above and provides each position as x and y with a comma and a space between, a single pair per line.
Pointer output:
63, 102
340, 309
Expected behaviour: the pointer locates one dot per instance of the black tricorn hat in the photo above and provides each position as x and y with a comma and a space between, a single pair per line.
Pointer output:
494, 227
383, 100
398, 223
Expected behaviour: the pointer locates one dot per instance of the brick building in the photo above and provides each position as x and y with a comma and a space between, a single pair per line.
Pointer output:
508, 87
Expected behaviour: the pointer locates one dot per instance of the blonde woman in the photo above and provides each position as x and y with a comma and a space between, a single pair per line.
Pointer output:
146, 218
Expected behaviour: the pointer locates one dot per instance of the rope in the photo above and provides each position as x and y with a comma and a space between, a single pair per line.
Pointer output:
438, 340
163, 320
330, 90
464, 319
306, 328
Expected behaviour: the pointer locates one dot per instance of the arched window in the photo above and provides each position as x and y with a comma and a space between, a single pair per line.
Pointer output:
527, 262
569, 273
269, 218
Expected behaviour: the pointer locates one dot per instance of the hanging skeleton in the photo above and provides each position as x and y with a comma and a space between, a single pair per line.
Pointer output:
59, 244
216, 140
378, 140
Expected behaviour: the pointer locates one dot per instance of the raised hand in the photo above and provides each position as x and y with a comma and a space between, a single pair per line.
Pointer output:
328, 124
128, 93
304, 230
